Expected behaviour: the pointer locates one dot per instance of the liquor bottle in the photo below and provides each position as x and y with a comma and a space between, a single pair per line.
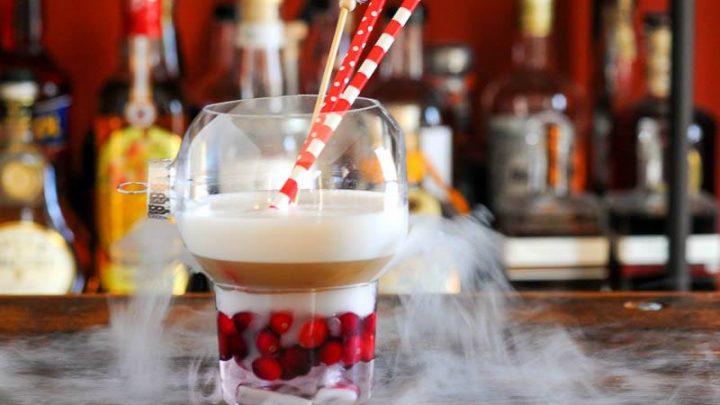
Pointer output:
21, 48
653, 110
253, 67
412, 102
535, 124
616, 79
140, 118
638, 216
35, 243
523, 98
451, 78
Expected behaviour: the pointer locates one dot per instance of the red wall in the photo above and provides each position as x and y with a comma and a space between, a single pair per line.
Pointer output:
83, 35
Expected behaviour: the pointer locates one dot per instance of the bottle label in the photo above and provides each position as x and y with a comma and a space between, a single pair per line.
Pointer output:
22, 181
34, 260
518, 153
145, 18
51, 122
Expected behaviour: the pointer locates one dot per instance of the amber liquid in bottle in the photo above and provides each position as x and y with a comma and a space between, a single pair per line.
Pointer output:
140, 119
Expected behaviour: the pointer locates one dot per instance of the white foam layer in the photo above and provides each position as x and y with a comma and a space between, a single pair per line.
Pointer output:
326, 226
359, 300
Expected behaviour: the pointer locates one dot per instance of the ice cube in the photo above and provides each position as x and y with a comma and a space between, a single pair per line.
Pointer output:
253, 396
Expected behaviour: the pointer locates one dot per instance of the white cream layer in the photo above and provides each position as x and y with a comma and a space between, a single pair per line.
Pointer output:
326, 226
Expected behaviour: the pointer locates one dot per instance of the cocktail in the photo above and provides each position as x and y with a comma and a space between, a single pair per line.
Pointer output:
295, 287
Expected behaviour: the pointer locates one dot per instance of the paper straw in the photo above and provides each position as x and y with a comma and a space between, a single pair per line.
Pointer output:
357, 46
323, 127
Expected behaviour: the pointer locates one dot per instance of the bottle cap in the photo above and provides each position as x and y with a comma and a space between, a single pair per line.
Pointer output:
536, 17
144, 18
261, 11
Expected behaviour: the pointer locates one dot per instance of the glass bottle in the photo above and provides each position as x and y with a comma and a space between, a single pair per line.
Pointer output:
36, 255
21, 47
638, 216
616, 79
140, 118
512, 104
654, 108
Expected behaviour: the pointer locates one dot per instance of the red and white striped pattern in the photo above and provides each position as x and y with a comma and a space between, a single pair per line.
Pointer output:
324, 126
357, 46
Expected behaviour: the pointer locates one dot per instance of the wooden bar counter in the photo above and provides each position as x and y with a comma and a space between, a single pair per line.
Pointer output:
627, 311
679, 330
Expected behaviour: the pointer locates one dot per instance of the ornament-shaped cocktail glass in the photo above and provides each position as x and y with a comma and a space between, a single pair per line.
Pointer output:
295, 287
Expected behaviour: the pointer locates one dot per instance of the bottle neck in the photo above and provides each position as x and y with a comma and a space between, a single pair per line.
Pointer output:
533, 48
406, 56
17, 124
159, 50
533, 52
658, 62
260, 37
21, 31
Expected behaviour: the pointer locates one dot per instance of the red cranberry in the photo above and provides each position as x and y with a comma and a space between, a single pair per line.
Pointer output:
331, 352
280, 322
267, 343
367, 347
295, 362
239, 349
350, 324
369, 324
267, 368
351, 351
242, 320
313, 333
225, 324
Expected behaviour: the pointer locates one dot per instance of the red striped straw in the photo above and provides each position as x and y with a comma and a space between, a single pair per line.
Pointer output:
324, 126
357, 46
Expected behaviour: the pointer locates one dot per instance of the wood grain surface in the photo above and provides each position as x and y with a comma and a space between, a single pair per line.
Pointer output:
21, 315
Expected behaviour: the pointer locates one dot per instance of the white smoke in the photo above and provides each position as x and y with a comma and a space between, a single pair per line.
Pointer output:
432, 349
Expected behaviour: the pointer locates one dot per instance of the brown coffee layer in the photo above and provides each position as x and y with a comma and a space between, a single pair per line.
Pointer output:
292, 276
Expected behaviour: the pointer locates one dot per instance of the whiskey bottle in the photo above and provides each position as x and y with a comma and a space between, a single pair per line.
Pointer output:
652, 114
617, 79
36, 256
21, 48
140, 118
518, 102
639, 215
